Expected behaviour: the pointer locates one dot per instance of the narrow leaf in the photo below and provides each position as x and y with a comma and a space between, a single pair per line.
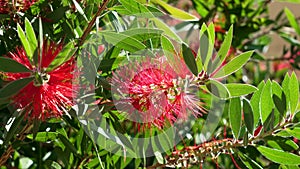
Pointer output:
136, 8
43, 136
175, 12
255, 103
234, 65
294, 92
14, 87
10, 65
170, 53
222, 53
65, 54
286, 89
235, 116
295, 132
292, 20
167, 31
68, 144
279, 156
266, 102
248, 116
251, 164
123, 41
236, 89
30, 35
218, 89
189, 59
25, 43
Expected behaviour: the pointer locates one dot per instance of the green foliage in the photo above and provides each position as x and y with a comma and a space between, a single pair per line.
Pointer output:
252, 104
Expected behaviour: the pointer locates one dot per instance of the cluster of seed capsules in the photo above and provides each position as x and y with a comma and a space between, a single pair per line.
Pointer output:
193, 155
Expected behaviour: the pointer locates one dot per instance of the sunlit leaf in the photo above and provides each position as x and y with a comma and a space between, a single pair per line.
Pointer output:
234, 65
266, 101
255, 102
30, 35
279, 156
122, 41
294, 132
237, 89
167, 30
292, 20
175, 12
26, 44
294, 92
223, 51
64, 55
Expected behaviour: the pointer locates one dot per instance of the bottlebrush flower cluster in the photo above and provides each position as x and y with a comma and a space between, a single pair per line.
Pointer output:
7, 6
154, 94
50, 93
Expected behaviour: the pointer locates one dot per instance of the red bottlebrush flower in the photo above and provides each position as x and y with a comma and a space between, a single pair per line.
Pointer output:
153, 93
7, 6
51, 91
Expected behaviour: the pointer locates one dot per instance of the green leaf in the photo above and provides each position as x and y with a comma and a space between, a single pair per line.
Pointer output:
136, 8
248, 116
281, 143
10, 65
266, 102
218, 89
251, 164
292, 20
234, 65
286, 89
236, 89
295, 132
159, 157
294, 92
235, 116
189, 59
167, 31
25, 43
279, 104
122, 41
14, 87
175, 12
279, 156
67, 143
170, 53
64, 55
290, 39
255, 103
143, 34
222, 53
43, 136
30, 35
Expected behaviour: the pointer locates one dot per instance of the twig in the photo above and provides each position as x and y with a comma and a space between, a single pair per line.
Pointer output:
196, 153
92, 22
264, 32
